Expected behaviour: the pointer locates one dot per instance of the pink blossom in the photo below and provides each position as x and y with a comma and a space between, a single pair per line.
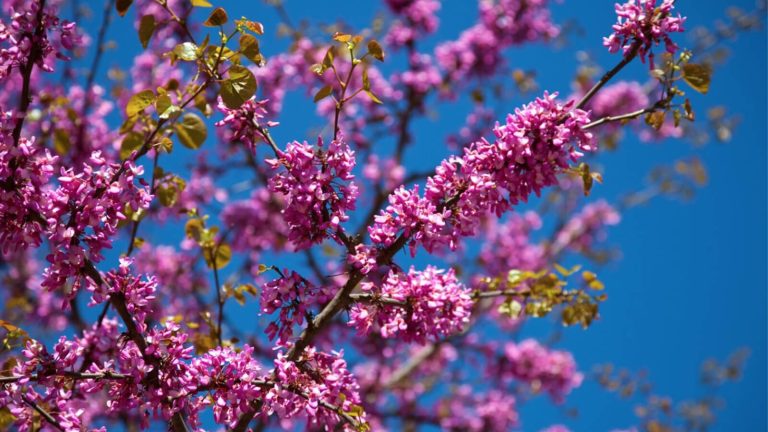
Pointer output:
494, 411
537, 142
542, 369
290, 294
316, 199
587, 227
24, 174
319, 377
83, 212
436, 304
641, 25
242, 124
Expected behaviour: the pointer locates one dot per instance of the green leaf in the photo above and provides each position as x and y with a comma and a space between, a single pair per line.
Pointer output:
375, 50
164, 144
373, 97
366, 80
193, 229
138, 102
323, 93
219, 256
169, 191
122, 6
698, 76
191, 131
201, 3
217, 18
146, 29
61, 141
132, 142
165, 108
238, 88
249, 47
328, 59
186, 51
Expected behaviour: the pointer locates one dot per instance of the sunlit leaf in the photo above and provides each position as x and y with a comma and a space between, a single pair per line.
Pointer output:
193, 229
201, 3
249, 47
238, 88
217, 18
698, 76
218, 256
342, 37
132, 142
191, 131
138, 102
323, 93
186, 51
375, 50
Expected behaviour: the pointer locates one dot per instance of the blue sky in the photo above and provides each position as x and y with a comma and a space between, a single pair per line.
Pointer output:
691, 282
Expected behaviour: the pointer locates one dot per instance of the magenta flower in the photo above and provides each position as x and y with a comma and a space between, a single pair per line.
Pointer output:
317, 189
641, 25
436, 304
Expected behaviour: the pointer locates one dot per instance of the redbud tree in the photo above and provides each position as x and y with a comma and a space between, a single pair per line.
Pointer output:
376, 296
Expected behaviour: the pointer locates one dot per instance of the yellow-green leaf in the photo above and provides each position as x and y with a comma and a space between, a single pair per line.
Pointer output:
217, 18
146, 29
698, 76
132, 142
201, 3
323, 93
249, 47
186, 51
240, 86
218, 256
61, 141
373, 97
138, 102
191, 131
194, 229
375, 50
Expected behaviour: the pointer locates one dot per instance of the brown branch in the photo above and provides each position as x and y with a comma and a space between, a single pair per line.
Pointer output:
607, 77
48, 417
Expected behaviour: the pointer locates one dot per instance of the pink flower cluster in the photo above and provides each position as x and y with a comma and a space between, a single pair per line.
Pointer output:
503, 23
291, 295
20, 40
508, 245
242, 124
257, 224
319, 377
436, 304
229, 380
139, 293
587, 227
542, 369
536, 143
641, 25
421, 76
466, 410
180, 282
24, 173
84, 212
316, 200
419, 18
388, 172
619, 98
